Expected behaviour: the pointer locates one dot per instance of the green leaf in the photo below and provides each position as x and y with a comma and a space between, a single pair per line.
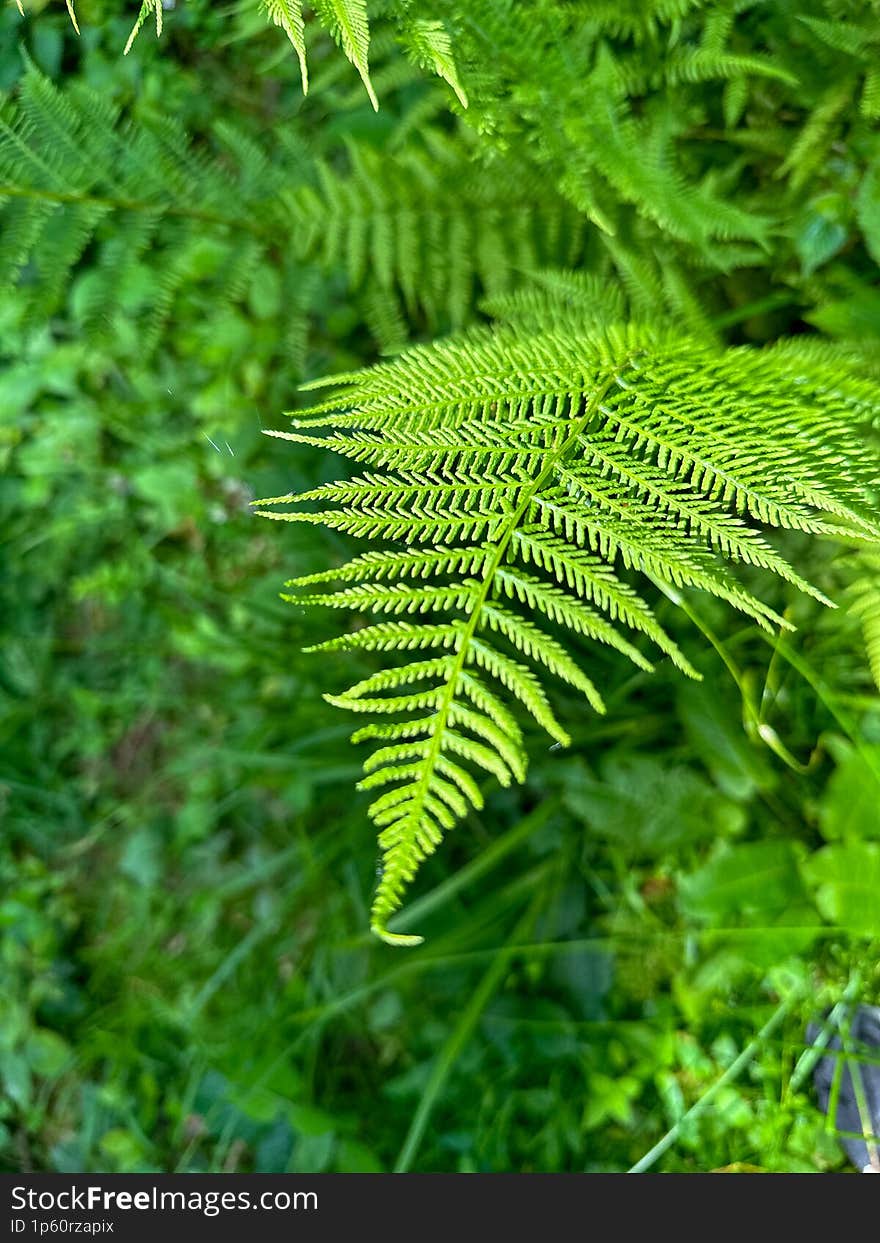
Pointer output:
430, 46
288, 14
47, 1053
348, 23
849, 807
755, 879
823, 230
846, 878
868, 209
15, 1078
649, 807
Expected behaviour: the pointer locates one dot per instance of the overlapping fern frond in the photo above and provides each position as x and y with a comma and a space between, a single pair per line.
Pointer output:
864, 598
75, 173
720, 99
858, 42
422, 36
433, 226
417, 239
576, 301
624, 80
513, 482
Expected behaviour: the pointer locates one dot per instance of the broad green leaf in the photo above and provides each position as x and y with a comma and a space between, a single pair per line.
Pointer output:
850, 808
846, 878
754, 879
649, 806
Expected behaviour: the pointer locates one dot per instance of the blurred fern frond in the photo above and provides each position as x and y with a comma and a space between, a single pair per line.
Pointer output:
76, 176
420, 236
863, 594
433, 226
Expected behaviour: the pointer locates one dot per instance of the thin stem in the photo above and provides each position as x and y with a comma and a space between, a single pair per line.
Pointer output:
460, 1035
733, 1071
864, 1111
161, 209
752, 716
808, 1059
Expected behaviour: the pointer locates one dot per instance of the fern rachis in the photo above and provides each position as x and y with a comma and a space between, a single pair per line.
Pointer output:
520, 471
409, 836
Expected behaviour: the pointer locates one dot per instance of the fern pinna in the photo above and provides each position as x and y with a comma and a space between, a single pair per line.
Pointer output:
522, 477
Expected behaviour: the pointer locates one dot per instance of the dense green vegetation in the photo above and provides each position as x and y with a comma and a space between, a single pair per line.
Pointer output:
186, 875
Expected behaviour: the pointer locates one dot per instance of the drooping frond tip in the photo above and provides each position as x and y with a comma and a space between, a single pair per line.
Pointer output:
347, 22
148, 7
71, 12
513, 489
426, 42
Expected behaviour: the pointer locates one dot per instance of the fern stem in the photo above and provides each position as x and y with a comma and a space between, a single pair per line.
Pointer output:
134, 205
480, 600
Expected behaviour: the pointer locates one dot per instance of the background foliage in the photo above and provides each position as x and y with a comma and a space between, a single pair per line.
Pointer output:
185, 875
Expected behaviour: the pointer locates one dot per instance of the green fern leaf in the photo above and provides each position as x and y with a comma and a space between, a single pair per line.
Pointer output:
430, 46
76, 175
147, 8
524, 474
288, 15
433, 226
863, 594
348, 24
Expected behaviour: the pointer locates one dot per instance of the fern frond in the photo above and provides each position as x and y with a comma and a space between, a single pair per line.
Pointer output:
429, 45
566, 611
75, 174
561, 300
812, 143
411, 563
433, 226
396, 598
842, 36
391, 637
594, 580
348, 24
601, 453
148, 7
863, 595
288, 15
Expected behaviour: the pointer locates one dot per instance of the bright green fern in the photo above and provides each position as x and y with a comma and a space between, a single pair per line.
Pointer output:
424, 39
512, 482
864, 602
